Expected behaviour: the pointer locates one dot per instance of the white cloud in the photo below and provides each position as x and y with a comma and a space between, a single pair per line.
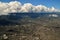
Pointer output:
16, 6
53, 15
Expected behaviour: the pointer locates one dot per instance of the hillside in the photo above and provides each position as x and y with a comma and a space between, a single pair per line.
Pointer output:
30, 26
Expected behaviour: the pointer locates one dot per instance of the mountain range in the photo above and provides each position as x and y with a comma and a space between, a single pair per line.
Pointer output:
14, 18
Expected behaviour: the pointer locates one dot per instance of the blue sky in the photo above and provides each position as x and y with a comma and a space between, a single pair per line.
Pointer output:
48, 3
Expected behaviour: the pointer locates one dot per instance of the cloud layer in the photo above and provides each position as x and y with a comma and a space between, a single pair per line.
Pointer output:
16, 6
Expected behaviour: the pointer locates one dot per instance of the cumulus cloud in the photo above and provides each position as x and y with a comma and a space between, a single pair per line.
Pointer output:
16, 6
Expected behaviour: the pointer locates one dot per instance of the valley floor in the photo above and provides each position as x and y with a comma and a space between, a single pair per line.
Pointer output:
32, 29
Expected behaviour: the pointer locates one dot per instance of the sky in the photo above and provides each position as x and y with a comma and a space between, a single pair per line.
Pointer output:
36, 6
48, 3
